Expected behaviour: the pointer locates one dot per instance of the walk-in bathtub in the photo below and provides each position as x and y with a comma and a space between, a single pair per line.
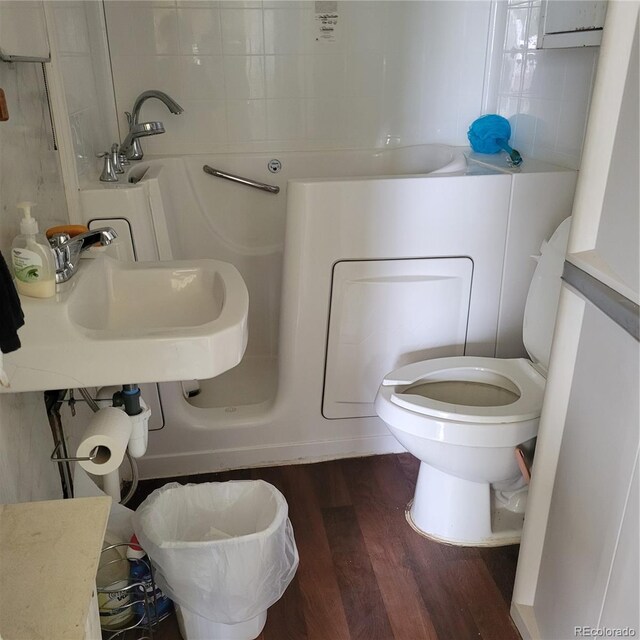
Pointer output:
363, 261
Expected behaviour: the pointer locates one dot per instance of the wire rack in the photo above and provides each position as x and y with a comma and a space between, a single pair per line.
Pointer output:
128, 610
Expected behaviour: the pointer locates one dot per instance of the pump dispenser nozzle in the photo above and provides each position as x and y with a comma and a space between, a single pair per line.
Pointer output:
28, 225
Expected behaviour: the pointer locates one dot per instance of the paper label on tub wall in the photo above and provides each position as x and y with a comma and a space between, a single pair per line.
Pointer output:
326, 20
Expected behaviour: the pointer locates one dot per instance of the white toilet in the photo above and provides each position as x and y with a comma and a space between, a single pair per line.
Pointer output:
463, 417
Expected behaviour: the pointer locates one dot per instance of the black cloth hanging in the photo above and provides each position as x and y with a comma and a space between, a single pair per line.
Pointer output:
11, 315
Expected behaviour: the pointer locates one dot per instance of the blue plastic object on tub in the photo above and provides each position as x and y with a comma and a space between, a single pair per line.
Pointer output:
490, 134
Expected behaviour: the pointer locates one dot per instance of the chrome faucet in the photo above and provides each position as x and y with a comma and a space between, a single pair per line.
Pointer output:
131, 145
67, 250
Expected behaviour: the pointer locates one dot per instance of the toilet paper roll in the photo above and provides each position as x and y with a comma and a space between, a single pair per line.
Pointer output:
109, 430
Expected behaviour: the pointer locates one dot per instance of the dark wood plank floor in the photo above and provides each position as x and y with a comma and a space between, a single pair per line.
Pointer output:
364, 573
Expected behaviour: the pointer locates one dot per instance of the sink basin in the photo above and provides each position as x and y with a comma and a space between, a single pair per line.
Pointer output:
120, 322
137, 299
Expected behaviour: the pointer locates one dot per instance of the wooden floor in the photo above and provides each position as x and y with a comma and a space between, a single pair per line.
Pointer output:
364, 574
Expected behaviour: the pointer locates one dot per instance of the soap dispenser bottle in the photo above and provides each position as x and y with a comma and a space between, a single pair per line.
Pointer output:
32, 258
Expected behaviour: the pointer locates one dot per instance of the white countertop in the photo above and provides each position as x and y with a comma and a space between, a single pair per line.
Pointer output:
49, 554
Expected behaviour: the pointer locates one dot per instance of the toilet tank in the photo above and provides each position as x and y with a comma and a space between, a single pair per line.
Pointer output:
544, 293
541, 198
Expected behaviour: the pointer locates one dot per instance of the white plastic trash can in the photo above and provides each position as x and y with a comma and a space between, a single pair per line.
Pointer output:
192, 625
223, 551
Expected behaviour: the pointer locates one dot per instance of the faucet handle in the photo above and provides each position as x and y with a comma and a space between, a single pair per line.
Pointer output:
108, 170
61, 253
115, 158
58, 239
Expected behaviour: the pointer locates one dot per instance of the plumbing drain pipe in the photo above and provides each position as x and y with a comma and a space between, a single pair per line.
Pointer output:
130, 398
134, 406
111, 485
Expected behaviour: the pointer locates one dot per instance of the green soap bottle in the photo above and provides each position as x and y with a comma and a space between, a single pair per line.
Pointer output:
32, 258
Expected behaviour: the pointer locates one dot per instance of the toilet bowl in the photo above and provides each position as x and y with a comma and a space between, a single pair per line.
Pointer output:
463, 417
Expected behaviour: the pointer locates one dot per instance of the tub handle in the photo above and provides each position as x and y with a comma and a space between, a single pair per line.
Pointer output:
269, 188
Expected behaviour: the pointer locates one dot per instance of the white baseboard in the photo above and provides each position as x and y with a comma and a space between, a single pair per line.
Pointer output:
182, 464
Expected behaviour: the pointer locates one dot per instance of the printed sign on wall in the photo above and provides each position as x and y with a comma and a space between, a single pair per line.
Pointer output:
326, 20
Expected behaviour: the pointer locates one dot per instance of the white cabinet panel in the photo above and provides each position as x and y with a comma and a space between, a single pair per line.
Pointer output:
622, 602
574, 15
388, 313
571, 23
597, 457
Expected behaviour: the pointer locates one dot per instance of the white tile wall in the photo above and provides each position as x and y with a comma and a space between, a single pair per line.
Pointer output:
29, 164
545, 94
29, 170
247, 120
398, 73
242, 32
199, 31
251, 75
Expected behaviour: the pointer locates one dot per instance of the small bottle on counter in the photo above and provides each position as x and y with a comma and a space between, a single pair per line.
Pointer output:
32, 258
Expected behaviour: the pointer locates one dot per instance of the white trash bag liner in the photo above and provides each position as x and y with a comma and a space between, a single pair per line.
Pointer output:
222, 550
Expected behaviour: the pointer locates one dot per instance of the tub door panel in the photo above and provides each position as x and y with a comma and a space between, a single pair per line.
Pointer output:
388, 313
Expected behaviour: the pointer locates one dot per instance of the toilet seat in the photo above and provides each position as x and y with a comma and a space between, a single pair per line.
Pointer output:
512, 374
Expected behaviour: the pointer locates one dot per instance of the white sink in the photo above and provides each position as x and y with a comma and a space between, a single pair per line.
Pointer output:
132, 322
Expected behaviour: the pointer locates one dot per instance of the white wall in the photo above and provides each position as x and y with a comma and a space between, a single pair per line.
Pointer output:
29, 170
545, 94
252, 76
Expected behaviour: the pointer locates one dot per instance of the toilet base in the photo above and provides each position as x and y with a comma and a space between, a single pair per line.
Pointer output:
449, 509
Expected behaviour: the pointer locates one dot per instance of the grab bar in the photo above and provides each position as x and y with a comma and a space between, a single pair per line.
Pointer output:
270, 188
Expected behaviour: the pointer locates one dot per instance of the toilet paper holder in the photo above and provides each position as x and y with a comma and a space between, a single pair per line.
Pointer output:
93, 454
96, 455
